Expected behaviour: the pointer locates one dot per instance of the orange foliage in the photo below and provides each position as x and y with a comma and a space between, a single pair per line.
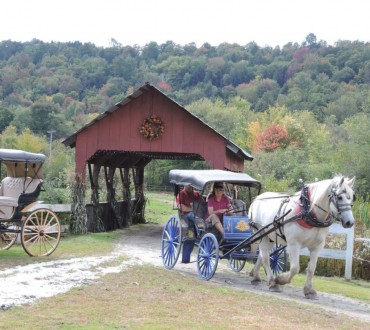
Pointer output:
271, 138
164, 86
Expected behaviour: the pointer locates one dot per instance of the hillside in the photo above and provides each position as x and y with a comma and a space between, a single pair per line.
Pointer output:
302, 109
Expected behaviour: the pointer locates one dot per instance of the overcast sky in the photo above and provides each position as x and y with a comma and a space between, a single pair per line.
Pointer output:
130, 22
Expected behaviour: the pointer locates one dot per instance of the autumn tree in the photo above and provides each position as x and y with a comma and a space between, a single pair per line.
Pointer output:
273, 137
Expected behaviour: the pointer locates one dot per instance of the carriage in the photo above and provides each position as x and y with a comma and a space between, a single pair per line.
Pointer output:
22, 216
238, 243
278, 225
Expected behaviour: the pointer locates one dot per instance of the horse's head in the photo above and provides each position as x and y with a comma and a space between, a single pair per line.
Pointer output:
341, 200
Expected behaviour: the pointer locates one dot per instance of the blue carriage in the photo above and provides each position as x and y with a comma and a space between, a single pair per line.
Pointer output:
237, 245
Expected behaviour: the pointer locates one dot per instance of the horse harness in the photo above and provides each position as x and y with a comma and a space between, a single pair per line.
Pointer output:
305, 216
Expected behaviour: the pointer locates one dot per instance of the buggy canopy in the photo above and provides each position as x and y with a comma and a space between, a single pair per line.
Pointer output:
22, 163
199, 178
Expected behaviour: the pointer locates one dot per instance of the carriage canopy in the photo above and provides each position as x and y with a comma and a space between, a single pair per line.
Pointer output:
200, 178
21, 163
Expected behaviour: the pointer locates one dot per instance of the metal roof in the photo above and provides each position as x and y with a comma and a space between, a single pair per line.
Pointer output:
199, 178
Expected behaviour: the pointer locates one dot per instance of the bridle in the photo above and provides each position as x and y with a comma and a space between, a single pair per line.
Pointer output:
341, 207
308, 216
334, 198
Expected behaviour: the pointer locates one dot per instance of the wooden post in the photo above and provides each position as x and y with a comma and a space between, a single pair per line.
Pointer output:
112, 217
97, 224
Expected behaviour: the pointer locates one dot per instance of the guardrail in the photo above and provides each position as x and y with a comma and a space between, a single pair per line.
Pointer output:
52, 207
346, 255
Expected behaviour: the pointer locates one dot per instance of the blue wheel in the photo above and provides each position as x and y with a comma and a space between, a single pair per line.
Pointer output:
236, 264
171, 242
278, 259
207, 257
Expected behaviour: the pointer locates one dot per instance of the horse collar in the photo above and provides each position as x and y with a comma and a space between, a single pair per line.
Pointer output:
308, 218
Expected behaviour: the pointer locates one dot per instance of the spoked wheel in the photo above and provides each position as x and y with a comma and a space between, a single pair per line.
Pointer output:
207, 257
236, 264
171, 242
7, 239
278, 259
40, 233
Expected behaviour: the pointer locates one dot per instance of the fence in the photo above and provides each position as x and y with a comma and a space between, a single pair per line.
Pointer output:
159, 188
346, 255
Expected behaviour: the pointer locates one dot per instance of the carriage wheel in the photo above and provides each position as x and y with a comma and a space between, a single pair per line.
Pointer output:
7, 239
236, 264
278, 259
207, 257
40, 233
171, 242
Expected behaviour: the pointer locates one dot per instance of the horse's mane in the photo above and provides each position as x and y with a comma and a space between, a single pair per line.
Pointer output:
320, 191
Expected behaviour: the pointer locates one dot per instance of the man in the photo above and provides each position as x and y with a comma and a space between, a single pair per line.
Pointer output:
184, 200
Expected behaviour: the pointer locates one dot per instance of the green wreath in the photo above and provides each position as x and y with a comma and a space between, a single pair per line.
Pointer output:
152, 127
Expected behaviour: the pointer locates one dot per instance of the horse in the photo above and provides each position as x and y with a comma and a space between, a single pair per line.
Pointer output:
301, 220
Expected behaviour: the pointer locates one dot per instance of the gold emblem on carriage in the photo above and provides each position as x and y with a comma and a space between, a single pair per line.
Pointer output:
242, 226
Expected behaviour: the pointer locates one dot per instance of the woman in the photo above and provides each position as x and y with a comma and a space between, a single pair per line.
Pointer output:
218, 205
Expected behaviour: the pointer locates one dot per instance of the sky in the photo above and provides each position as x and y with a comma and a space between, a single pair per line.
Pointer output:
138, 22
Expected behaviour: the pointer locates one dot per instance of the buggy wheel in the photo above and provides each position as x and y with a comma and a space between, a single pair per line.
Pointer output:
7, 239
236, 264
171, 242
278, 259
207, 257
40, 233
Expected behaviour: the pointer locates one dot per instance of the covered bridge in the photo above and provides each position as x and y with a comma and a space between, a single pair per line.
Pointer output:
145, 125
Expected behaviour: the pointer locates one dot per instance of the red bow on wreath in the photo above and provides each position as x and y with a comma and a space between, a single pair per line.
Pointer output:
152, 127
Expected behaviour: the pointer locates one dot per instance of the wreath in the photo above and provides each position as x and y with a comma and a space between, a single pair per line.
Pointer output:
152, 127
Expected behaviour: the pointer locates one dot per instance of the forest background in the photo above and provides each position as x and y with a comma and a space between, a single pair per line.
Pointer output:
302, 109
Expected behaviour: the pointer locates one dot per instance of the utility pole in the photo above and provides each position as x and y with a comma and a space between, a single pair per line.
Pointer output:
51, 141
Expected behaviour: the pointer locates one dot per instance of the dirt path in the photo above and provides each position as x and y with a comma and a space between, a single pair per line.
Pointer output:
143, 246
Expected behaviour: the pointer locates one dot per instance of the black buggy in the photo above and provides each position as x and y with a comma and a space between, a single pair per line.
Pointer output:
239, 241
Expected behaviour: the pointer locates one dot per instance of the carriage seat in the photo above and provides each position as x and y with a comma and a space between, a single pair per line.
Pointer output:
239, 207
12, 187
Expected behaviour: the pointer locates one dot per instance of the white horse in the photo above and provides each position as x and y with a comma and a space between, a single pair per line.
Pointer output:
313, 210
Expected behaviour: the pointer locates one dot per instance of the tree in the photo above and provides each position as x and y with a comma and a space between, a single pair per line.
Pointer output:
353, 151
311, 40
6, 118
30, 142
9, 137
273, 137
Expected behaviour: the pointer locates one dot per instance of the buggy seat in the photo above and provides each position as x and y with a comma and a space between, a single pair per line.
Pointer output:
11, 190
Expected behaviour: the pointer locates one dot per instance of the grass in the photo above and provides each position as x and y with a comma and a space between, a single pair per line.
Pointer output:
146, 297
93, 244
160, 206
352, 289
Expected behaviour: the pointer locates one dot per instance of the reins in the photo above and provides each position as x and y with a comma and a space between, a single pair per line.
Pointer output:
306, 217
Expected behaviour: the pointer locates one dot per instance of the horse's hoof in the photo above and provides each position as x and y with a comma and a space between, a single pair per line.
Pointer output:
311, 296
255, 281
275, 288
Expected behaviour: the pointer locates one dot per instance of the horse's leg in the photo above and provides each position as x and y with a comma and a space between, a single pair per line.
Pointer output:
255, 272
286, 277
265, 247
308, 290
